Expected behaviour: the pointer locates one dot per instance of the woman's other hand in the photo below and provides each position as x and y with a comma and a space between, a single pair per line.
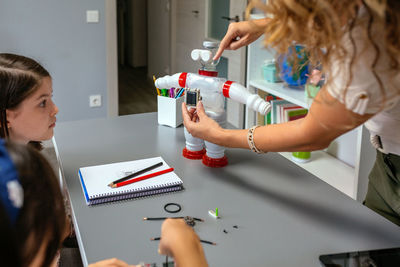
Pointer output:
241, 34
199, 125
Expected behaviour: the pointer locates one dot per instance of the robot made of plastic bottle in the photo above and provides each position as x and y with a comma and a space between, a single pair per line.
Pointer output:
212, 91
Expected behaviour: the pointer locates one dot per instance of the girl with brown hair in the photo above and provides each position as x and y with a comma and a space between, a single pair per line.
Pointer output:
356, 45
37, 220
27, 112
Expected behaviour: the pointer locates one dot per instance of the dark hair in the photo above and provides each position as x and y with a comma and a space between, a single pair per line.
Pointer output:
19, 78
42, 219
8, 248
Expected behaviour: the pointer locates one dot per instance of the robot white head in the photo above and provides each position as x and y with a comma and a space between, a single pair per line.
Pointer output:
205, 56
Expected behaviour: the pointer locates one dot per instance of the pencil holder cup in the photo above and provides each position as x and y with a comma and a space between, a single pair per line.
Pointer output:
169, 111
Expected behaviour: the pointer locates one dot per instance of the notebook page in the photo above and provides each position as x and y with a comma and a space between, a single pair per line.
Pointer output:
97, 178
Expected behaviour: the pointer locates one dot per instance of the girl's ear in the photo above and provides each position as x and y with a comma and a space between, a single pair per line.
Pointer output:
10, 115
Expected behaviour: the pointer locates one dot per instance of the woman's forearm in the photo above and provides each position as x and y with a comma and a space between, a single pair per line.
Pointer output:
277, 137
326, 120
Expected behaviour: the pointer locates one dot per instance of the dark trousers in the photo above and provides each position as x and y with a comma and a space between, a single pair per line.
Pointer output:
383, 194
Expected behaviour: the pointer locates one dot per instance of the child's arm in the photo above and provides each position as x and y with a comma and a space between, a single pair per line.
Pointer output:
181, 242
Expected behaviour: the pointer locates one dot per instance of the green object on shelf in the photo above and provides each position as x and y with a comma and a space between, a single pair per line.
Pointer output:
311, 90
267, 120
216, 212
301, 157
269, 72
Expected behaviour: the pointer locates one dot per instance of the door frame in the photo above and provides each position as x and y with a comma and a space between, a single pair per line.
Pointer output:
111, 57
236, 63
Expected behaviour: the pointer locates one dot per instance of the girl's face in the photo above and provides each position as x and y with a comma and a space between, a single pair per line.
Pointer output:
35, 117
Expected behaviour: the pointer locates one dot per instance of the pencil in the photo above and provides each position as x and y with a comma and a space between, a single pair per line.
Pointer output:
152, 167
158, 90
201, 240
164, 218
208, 242
141, 178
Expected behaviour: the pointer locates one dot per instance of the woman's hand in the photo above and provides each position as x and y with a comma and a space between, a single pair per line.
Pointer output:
241, 34
181, 242
111, 263
199, 125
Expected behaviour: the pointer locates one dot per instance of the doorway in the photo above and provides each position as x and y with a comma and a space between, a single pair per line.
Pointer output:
135, 87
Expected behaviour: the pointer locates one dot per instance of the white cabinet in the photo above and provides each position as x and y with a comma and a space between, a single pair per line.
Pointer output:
346, 163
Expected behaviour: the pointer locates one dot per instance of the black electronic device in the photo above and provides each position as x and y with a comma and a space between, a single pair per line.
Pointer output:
369, 258
192, 97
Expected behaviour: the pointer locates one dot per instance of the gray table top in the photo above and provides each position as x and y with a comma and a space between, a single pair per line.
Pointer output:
285, 216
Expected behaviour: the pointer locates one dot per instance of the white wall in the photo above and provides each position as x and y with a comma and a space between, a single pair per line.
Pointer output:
159, 50
55, 33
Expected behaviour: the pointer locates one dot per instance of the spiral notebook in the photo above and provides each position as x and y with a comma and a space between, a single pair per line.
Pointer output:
95, 180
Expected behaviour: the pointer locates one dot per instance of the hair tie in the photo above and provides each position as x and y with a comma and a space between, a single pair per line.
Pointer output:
11, 191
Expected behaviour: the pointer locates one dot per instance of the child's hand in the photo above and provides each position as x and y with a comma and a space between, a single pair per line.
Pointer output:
111, 263
181, 242
176, 234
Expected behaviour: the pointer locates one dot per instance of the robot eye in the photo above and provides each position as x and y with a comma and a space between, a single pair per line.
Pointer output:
195, 54
205, 55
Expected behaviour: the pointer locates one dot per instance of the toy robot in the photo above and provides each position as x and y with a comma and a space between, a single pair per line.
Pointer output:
211, 90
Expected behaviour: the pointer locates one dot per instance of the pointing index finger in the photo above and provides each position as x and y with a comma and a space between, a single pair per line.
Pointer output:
223, 45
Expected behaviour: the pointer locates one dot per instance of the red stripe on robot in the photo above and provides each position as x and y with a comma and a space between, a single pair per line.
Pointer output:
225, 88
182, 79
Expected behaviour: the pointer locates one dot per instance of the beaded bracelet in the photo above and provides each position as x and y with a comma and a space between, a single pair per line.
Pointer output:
250, 140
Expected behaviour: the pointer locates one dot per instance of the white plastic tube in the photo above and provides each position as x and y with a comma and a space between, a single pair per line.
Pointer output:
167, 82
208, 85
239, 94
216, 151
193, 143
191, 80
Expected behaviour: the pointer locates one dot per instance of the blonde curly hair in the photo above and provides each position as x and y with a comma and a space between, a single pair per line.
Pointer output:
321, 25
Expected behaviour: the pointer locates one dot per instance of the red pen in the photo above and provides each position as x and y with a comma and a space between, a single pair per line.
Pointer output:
141, 178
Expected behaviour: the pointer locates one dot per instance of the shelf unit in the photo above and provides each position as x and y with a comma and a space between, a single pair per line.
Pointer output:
340, 164
294, 96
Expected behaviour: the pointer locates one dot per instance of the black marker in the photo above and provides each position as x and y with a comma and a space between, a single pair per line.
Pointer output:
136, 173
